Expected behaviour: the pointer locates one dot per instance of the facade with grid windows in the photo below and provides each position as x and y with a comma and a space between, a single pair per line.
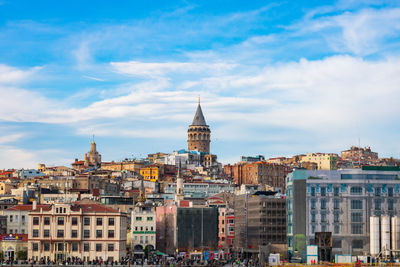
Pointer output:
340, 202
80, 231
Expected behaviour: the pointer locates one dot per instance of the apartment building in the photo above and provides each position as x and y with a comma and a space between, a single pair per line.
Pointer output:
87, 231
143, 226
324, 161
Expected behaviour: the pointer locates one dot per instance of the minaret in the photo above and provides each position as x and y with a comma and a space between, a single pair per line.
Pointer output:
179, 185
199, 133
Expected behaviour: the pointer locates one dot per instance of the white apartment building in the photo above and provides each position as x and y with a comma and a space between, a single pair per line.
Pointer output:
143, 224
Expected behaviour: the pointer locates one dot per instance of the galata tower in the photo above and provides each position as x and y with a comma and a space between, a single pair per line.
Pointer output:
199, 133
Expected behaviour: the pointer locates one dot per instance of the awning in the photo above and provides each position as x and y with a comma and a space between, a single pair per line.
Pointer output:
159, 253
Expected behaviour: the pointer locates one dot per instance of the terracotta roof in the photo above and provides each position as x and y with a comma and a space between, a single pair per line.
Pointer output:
29, 207
92, 208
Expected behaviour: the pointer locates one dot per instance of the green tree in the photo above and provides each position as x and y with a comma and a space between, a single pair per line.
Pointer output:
299, 244
21, 255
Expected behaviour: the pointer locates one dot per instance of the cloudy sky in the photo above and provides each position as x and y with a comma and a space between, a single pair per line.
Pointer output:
275, 78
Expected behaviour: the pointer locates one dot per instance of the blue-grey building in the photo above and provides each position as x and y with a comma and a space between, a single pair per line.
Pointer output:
340, 202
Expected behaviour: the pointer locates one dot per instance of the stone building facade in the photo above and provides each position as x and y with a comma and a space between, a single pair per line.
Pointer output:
84, 231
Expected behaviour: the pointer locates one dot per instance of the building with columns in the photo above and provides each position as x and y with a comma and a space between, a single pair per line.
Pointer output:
199, 133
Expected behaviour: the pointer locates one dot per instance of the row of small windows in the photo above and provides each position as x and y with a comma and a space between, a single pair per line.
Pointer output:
74, 221
74, 247
354, 205
74, 233
139, 218
354, 190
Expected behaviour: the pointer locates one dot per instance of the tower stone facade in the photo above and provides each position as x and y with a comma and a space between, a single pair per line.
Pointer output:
92, 158
199, 133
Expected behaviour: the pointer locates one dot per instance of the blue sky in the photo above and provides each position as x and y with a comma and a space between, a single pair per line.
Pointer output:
275, 78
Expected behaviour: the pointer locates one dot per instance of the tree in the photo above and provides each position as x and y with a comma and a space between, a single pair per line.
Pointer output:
21, 255
299, 243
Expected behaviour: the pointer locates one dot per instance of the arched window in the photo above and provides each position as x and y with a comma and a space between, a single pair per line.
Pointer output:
195, 136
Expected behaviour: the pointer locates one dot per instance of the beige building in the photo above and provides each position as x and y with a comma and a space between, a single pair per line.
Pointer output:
325, 161
87, 231
143, 225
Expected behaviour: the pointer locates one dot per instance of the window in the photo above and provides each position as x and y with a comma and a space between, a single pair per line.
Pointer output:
323, 204
337, 243
46, 233
378, 191
336, 204
336, 217
313, 204
357, 244
149, 218
60, 247
99, 233
138, 218
356, 204
98, 247
356, 228
356, 217
323, 192
60, 233
60, 220
11, 231
336, 191
46, 220
377, 204
313, 217
23, 219
390, 204
35, 220
85, 246
74, 246
323, 228
74, 221
323, 218
74, 233
355, 190
110, 247
313, 191
35, 233
110, 221
86, 221
86, 233
337, 228
99, 221
110, 233
35, 246
46, 246
313, 229
390, 191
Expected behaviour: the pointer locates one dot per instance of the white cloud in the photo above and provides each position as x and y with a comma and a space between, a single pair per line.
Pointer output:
12, 75
361, 32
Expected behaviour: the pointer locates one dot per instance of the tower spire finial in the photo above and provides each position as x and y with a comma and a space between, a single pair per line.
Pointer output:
199, 99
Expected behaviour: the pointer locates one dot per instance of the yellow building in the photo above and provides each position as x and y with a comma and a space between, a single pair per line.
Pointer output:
150, 173
325, 161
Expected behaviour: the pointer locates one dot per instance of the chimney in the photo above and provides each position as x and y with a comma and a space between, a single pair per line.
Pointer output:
34, 205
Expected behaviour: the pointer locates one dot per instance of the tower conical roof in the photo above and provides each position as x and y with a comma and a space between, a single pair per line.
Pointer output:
198, 119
